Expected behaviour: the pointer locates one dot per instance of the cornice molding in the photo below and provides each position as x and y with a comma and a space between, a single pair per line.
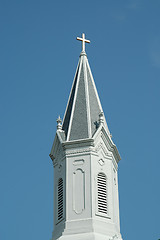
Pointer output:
101, 132
110, 145
78, 143
80, 151
62, 148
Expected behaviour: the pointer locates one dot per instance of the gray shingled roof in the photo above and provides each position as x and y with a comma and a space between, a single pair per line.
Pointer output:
82, 113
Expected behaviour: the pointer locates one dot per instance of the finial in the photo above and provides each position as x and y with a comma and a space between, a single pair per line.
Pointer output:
59, 123
101, 118
83, 41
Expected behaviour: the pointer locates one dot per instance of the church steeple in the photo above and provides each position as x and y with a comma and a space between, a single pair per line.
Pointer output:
85, 160
81, 118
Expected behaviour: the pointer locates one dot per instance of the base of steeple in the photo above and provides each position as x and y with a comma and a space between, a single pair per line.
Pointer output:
86, 230
88, 236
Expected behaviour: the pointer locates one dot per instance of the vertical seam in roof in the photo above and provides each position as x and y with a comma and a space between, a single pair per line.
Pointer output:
94, 86
87, 98
74, 100
71, 91
95, 89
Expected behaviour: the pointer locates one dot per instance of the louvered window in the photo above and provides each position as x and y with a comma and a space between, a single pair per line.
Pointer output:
60, 199
102, 193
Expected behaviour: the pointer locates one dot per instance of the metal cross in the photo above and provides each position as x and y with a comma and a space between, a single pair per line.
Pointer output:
83, 41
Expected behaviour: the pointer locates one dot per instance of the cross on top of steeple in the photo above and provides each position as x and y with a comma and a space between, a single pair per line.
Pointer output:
83, 41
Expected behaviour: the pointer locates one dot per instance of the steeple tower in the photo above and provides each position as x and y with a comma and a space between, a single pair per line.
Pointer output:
85, 160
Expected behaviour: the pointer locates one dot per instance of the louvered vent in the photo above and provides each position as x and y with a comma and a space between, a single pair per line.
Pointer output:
102, 193
60, 199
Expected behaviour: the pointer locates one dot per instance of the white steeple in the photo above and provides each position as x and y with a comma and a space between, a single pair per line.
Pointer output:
85, 160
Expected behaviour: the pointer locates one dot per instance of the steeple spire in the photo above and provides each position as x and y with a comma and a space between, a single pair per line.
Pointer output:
81, 119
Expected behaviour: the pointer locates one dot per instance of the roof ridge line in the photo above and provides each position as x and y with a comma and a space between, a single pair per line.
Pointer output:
87, 99
96, 92
94, 85
74, 100
71, 91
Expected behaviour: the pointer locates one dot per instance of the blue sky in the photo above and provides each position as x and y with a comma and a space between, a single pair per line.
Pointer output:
38, 57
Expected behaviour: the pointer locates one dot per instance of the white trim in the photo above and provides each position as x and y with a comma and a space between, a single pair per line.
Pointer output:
74, 100
87, 97
95, 89
71, 91
96, 92
74, 190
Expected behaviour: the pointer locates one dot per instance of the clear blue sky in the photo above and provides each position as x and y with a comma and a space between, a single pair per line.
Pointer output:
38, 57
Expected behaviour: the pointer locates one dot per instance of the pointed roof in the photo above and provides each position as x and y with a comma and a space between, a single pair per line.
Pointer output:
81, 117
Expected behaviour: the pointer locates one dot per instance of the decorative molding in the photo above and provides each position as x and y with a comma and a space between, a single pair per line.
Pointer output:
110, 145
101, 162
85, 150
114, 163
57, 159
78, 162
78, 191
57, 152
101, 146
109, 154
78, 143
106, 140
